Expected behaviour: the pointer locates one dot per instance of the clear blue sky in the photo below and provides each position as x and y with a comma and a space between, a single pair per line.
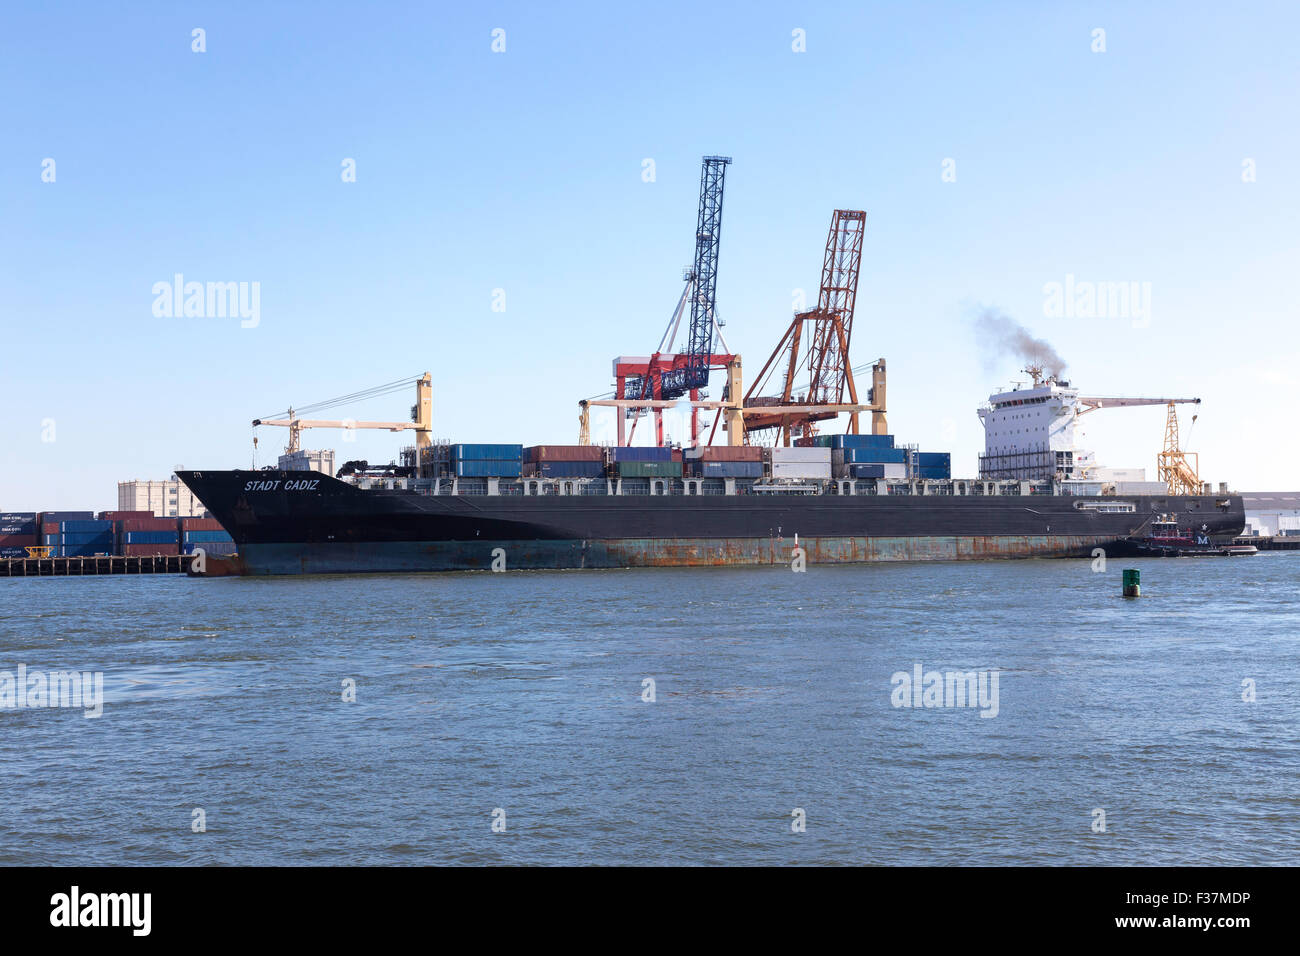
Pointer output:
522, 171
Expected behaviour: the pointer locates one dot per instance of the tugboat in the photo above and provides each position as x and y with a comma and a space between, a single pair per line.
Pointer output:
1165, 540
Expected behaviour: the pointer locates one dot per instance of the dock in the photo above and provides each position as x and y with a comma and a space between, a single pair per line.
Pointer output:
101, 564
1277, 543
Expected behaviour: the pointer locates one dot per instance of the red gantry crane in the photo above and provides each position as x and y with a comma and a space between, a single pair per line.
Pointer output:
817, 343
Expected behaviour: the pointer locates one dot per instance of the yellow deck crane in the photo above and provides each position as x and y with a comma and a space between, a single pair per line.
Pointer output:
1174, 466
1179, 468
421, 415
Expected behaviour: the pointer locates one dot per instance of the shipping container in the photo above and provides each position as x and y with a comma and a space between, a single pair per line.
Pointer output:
650, 469
154, 537
868, 471
124, 515
152, 524
870, 455
727, 453
18, 522
211, 547
207, 536
641, 453
812, 455
200, 524
731, 469
487, 452
484, 468
553, 468
862, 441
587, 453
801, 469
9, 551
149, 550
17, 540
58, 516
83, 527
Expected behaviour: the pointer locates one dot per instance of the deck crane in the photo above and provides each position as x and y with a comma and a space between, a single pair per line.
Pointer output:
421, 414
817, 342
666, 376
1180, 469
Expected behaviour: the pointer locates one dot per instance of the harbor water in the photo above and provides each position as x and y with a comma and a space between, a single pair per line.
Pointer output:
665, 716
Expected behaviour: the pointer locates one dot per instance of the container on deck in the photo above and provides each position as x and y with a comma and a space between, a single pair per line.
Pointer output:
547, 453
466, 452
623, 453
650, 469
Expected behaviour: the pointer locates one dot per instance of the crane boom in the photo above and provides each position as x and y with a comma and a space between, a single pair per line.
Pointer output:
421, 413
676, 382
1090, 403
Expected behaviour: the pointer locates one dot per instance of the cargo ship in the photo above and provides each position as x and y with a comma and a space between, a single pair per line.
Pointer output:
824, 499
837, 499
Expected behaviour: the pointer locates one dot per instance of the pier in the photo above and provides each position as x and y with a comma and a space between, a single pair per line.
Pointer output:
101, 564
1278, 543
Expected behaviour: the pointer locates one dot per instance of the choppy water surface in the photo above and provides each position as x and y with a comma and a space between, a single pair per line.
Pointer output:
524, 692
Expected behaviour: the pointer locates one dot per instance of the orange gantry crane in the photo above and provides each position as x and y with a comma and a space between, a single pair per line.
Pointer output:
817, 343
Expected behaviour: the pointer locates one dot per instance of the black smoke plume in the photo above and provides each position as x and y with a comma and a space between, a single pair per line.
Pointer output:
1000, 336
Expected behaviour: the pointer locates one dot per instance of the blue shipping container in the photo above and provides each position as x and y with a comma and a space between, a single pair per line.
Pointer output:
652, 453
487, 452
58, 516
732, 469
862, 441
875, 456
210, 547
13, 552
205, 536
487, 469
81, 527
866, 471
934, 458
150, 537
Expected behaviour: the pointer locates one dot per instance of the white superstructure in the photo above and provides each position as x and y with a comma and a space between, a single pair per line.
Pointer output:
1029, 434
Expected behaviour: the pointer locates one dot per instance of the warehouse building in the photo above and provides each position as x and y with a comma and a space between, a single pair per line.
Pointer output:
166, 499
1272, 513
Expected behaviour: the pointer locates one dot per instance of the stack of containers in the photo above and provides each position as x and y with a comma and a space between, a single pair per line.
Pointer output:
934, 465
82, 538
868, 456
725, 461
17, 533
647, 462
564, 461
144, 536
486, 461
205, 533
801, 463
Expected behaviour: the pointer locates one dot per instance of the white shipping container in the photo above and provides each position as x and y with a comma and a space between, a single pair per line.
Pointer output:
895, 472
800, 469
817, 455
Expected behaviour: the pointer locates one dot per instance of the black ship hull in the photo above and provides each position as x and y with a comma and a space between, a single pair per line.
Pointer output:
293, 522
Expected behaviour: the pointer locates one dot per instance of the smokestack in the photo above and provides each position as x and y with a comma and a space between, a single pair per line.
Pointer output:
1001, 335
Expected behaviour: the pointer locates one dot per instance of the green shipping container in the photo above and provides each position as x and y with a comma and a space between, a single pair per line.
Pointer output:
650, 469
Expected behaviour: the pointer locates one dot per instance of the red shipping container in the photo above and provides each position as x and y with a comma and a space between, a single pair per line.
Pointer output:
149, 524
148, 550
50, 527
18, 540
564, 453
201, 524
731, 453
123, 515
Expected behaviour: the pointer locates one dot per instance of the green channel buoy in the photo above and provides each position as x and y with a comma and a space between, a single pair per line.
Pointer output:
1132, 582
